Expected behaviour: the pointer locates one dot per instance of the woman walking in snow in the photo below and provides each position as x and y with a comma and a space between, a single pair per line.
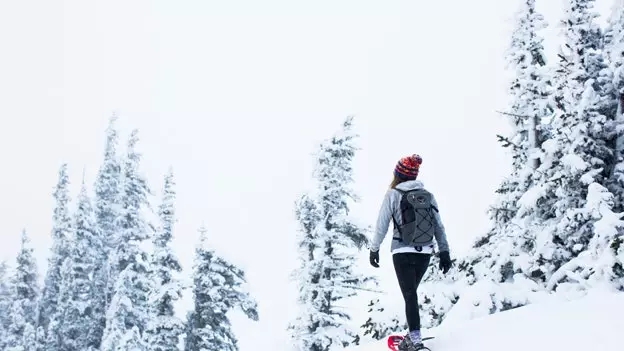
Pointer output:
414, 212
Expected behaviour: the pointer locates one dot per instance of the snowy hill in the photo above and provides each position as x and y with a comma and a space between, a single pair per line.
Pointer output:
591, 323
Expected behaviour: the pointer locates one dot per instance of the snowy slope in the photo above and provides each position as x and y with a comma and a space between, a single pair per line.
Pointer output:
594, 322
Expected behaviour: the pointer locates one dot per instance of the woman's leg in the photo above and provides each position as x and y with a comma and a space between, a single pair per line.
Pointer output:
421, 263
410, 269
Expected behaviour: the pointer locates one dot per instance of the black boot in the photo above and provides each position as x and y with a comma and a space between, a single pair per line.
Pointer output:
407, 345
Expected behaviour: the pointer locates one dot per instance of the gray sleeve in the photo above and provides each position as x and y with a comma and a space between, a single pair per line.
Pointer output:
440, 233
383, 222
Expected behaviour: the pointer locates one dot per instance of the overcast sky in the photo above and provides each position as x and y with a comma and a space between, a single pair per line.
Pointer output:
236, 96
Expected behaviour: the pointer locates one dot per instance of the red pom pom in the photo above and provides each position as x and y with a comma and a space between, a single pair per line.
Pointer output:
417, 159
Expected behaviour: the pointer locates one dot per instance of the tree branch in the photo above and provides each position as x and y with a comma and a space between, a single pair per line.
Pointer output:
359, 288
513, 114
506, 142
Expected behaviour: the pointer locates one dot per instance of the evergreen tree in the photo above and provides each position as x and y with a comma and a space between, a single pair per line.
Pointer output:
508, 247
499, 265
582, 149
21, 334
217, 289
309, 215
614, 262
129, 309
602, 262
77, 300
328, 272
581, 36
5, 304
165, 328
614, 34
61, 230
40, 335
107, 209
54, 340
614, 49
530, 93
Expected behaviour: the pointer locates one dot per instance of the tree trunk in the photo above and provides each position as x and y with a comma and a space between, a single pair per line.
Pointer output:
619, 118
533, 141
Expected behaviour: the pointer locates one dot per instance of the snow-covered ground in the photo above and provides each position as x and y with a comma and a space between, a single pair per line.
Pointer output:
592, 323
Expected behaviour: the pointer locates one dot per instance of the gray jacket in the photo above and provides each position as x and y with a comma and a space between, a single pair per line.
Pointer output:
391, 205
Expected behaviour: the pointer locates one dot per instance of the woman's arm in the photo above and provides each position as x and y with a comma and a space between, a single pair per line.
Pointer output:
383, 222
440, 234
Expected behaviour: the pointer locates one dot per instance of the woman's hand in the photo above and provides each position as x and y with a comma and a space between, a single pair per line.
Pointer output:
445, 261
374, 258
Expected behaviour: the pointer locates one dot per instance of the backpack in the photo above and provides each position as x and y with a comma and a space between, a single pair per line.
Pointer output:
419, 222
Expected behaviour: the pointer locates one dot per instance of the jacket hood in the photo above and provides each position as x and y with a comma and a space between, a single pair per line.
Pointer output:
411, 185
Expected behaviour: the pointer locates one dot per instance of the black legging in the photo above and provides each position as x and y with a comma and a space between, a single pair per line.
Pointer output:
410, 268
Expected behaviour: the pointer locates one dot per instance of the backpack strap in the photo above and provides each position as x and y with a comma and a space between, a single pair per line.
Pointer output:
396, 224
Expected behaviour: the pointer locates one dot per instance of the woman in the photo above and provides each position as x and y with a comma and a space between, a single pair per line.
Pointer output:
410, 261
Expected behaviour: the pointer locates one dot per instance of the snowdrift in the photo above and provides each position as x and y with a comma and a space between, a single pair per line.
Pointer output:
594, 322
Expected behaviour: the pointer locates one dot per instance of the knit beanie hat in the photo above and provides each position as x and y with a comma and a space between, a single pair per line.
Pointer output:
407, 167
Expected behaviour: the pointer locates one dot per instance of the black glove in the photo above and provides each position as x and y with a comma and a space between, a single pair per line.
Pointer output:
374, 258
445, 261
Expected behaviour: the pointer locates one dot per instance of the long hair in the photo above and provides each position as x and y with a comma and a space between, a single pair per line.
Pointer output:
396, 181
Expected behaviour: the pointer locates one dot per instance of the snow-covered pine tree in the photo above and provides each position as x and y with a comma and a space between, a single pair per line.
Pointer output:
165, 328
76, 316
61, 231
614, 34
581, 153
5, 303
107, 208
218, 288
601, 264
614, 49
54, 340
128, 311
40, 336
530, 103
530, 88
498, 264
309, 215
580, 34
530, 93
21, 334
329, 274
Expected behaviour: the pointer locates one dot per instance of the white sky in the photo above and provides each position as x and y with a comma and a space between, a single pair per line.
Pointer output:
236, 95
